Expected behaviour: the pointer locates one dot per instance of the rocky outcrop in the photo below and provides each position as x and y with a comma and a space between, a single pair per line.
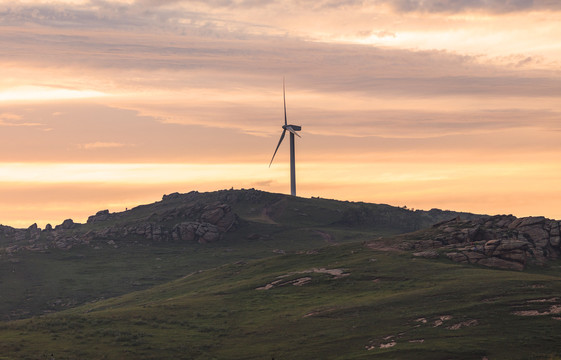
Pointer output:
66, 225
501, 241
33, 233
213, 222
220, 215
192, 222
102, 215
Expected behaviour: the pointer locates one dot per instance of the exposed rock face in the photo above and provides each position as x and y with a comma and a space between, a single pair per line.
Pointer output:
208, 233
102, 215
33, 233
220, 215
66, 225
192, 222
185, 231
501, 241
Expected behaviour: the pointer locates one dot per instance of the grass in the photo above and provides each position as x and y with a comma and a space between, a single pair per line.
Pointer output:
145, 300
36, 283
218, 313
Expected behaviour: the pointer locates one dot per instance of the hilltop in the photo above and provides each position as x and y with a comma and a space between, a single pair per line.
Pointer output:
115, 253
208, 217
246, 274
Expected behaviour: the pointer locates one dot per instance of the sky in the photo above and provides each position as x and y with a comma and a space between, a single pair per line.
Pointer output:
109, 104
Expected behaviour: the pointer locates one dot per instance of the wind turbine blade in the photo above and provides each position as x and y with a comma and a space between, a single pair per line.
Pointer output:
289, 128
284, 99
280, 141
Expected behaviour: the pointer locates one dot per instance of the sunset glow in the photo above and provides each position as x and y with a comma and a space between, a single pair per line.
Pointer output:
36, 93
448, 104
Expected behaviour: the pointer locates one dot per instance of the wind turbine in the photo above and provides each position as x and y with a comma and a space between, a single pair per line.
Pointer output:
292, 129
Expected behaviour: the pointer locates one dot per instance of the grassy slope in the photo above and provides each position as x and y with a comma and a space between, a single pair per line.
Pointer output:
218, 313
35, 283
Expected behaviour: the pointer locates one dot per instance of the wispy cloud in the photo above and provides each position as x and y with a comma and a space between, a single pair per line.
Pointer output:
14, 120
40, 93
455, 6
100, 145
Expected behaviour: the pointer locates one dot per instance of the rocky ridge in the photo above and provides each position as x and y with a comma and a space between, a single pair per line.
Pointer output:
501, 241
184, 221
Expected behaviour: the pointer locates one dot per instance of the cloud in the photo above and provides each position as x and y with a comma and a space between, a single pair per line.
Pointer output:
34, 93
437, 6
9, 117
456, 6
179, 17
134, 60
243, 4
100, 145
264, 183
14, 120
195, 69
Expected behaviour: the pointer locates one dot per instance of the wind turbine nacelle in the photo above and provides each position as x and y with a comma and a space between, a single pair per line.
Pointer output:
294, 127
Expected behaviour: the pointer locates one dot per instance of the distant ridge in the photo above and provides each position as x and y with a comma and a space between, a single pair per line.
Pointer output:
230, 216
209, 216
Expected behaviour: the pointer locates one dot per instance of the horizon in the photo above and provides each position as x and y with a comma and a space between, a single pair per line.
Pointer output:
83, 219
425, 104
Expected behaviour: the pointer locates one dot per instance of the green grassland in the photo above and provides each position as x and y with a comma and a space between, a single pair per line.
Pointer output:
33, 283
381, 297
295, 280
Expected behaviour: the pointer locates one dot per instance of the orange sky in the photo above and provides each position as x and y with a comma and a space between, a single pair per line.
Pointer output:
110, 104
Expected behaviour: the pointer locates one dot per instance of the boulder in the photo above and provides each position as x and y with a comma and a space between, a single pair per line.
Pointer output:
474, 233
508, 245
7, 231
172, 196
537, 235
474, 257
519, 256
102, 215
20, 235
33, 233
457, 257
66, 225
490, 246
207, 233
505, 221
515, 223
531, 221
220, 215
554, 229
158, 233
185, 231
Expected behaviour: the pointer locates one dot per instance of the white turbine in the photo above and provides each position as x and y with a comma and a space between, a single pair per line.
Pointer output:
293, 131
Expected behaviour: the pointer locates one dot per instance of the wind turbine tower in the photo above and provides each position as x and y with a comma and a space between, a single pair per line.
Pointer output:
292, 129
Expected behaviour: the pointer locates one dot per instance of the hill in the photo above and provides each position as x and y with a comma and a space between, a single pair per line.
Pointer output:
340, 302
245, 274
46, 270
